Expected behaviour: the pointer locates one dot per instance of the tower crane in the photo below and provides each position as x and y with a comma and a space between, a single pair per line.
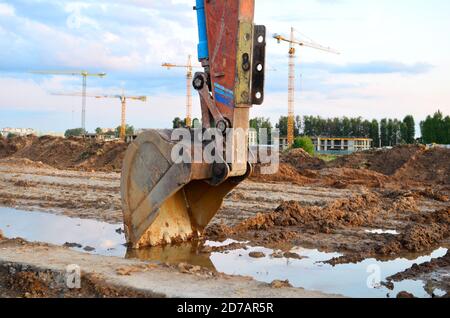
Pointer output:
123, 99
291, 86
84, 75
189, 67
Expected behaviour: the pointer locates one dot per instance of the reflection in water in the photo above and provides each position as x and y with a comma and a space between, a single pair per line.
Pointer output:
381, 231
182, 253
310, 272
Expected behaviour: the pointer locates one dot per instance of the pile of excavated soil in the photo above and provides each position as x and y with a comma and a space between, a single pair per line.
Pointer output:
385, 161
343, 177
66, 153
296, 166
429, 166
375, 168
285, 173
301, 160
8, 147
356, 211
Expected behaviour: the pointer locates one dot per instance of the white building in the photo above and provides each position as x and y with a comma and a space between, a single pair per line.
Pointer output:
17, 131
330, 145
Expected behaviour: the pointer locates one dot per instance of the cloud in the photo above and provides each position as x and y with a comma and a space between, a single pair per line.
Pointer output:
116, 35
382, 67
6, 10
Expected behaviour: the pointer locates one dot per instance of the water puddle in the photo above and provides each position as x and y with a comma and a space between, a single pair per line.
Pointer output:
309, 271
381, 231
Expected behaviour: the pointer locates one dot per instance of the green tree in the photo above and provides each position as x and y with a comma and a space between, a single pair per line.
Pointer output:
282, 126
447, 130
98, 131
178, 123
384, 133
435, 129
76, 132
304, 143
129, 131
408, 130
259, 124
374, 133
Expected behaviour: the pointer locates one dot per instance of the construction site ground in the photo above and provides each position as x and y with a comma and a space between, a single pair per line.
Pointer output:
386, 208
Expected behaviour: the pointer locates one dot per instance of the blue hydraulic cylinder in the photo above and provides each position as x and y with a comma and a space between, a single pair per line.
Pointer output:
203, 52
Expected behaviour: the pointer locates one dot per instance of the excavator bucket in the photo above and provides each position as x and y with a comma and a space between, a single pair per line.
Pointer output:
166, 201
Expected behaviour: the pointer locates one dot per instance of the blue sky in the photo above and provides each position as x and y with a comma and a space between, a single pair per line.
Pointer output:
395, 59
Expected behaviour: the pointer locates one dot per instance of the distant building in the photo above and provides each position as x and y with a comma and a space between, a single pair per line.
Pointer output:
331, 145
18, 131
108, 131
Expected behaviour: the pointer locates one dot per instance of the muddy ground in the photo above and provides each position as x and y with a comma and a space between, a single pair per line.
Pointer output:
330, 206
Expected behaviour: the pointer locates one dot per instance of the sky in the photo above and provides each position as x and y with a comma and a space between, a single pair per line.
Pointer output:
394, 61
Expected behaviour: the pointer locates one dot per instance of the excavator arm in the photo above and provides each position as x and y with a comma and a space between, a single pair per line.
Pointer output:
167, 200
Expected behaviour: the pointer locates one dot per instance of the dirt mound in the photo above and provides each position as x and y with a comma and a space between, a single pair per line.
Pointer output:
297, 223
341, 178
107, 157
352, 212
403, 164
301, 160
429, 166
285, 173
341, 213
9, 147
385, 161
66, 153
428, 267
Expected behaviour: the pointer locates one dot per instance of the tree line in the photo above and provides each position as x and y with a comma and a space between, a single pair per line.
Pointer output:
385, 132
78, 132
436, 129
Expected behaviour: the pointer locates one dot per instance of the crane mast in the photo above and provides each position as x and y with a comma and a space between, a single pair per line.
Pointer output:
189, 76
84, 75
291, 76
291, 91
123, 100
189, 93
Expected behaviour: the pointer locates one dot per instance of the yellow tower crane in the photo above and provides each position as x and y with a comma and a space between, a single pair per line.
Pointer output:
84, 75
291, 86
189, 67
123, 99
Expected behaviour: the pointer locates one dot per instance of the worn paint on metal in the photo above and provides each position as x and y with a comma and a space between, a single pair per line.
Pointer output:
243, 80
